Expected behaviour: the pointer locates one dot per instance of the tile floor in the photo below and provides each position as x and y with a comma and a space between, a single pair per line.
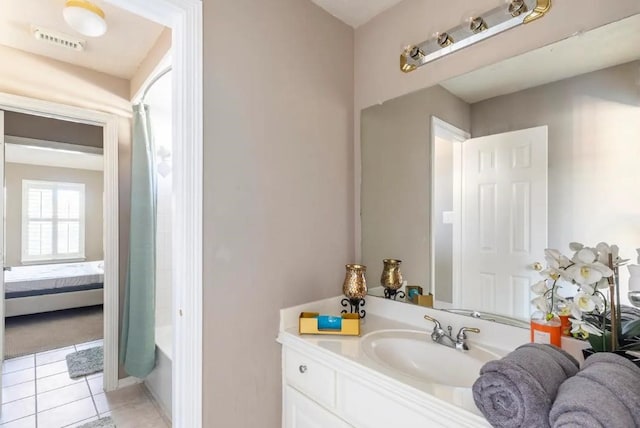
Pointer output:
37, 392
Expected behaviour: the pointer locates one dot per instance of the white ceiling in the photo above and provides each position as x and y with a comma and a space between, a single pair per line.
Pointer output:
118, 53
355, 12
603, 47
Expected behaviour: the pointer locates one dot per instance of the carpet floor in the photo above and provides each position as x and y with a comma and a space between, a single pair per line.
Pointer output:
28, 334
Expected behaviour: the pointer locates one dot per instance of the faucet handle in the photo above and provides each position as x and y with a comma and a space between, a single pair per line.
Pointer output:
462, 333
435, 321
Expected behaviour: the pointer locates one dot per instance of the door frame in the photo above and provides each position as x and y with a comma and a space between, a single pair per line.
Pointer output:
439, 128
109, 124
184, 17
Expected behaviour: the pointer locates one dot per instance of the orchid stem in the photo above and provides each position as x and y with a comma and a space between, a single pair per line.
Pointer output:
614, 309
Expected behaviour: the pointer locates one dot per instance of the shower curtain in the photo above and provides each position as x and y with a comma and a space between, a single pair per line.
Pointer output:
137, 351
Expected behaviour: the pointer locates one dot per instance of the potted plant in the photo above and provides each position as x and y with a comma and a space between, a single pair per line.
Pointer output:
594, 309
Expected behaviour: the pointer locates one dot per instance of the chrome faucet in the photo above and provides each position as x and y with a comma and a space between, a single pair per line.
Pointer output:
440, 336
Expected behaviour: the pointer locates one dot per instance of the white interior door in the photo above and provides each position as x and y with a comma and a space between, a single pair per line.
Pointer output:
504, 219
2, 199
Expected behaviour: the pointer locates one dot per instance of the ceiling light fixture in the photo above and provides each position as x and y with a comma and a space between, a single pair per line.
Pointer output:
85, 17
476, 28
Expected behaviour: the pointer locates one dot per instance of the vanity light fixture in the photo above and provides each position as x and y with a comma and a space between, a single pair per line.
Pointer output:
85, 17
477, 28
444, 40
517, 8
477, 25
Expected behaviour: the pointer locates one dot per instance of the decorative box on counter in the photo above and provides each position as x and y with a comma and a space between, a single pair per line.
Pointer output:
414, 295
314, 323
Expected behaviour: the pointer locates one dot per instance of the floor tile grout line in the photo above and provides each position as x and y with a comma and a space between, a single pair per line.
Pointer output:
18, 399
93, 400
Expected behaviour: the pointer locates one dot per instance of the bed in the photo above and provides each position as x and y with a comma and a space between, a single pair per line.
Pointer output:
51, 287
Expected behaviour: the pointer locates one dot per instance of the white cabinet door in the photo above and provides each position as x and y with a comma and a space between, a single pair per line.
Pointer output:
301, 412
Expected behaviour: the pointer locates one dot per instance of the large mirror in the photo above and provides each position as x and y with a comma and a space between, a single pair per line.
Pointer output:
467, 182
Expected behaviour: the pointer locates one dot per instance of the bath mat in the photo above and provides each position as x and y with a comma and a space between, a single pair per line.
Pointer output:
100, 423
85, 362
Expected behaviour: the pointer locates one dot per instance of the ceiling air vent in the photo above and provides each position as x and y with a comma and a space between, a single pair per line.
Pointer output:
59, 39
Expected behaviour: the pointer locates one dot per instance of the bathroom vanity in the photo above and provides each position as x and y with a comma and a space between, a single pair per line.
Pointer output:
392, 375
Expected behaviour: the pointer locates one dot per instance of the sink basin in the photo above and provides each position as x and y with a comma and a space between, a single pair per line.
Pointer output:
414, 354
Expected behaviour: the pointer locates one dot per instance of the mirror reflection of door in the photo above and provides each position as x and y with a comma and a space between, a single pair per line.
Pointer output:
489, 217
504, 219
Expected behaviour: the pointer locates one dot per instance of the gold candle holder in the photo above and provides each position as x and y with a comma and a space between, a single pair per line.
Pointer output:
355, 289
391, 279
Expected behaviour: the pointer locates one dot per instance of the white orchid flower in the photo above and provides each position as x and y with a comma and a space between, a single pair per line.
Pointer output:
585, 255
575, 246
555, 259
584, 302
605, 249
555, 274
537, 266
586, 270
603, 283
575, 310
542, 304
599, 302
580, 327
540, 287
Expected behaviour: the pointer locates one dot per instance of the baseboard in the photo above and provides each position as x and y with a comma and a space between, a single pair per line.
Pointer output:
158, 403
128, 381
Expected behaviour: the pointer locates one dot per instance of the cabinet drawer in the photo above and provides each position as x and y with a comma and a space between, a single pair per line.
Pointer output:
311, 377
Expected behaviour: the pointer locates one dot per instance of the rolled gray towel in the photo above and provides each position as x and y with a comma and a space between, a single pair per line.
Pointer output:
518, 390
605, 393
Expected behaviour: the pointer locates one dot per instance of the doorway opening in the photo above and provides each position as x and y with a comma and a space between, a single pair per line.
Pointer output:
54, 259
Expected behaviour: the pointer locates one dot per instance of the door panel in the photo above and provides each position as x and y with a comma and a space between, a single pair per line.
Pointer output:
504, 219
2, 249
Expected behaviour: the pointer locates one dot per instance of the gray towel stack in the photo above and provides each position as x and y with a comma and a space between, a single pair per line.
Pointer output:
605, 393
518, 390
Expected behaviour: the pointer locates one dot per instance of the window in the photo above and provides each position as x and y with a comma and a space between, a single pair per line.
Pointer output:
52, 221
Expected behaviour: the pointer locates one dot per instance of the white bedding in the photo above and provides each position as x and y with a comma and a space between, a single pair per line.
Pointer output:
22, 279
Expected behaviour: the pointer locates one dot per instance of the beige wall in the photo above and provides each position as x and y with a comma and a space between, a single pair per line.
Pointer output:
396, 172
278, 199
15, 173
46, 79
594, 130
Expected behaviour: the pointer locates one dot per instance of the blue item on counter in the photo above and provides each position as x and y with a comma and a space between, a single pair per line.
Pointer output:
413, 293
329, 322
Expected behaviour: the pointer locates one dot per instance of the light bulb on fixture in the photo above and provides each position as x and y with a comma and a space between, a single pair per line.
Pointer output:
443, 39
85, 17
477, 24
517, 8
414, 52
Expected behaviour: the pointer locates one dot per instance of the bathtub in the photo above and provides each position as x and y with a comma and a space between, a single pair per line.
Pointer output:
159, 380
